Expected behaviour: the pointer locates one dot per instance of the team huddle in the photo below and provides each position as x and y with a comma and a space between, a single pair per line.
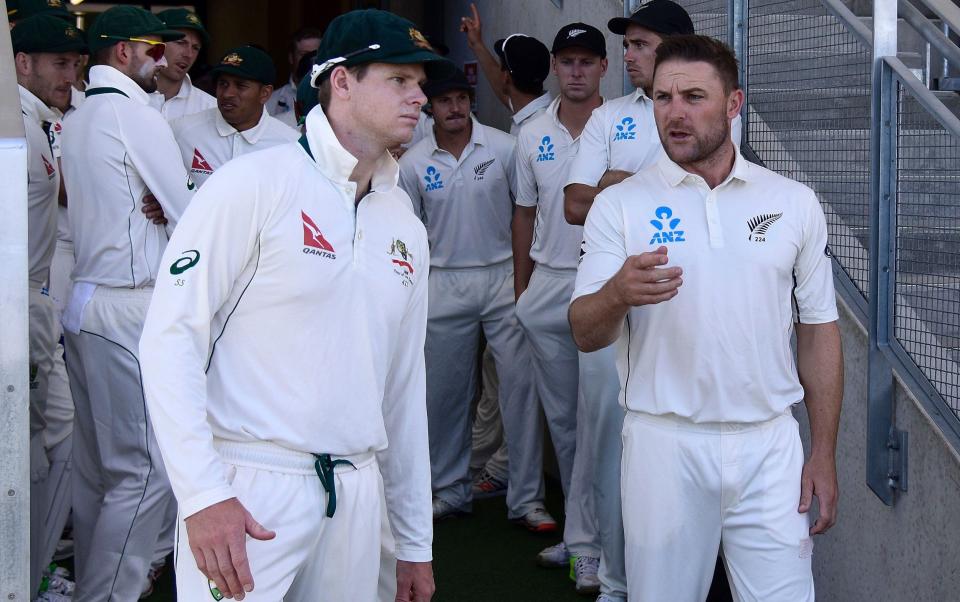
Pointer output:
301, 325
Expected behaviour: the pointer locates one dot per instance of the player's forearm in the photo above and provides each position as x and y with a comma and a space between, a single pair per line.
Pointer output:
597, 319
820, 367
522, 235
577, 200
491, 69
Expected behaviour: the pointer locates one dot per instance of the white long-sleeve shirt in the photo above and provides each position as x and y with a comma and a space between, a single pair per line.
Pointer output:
207, 141
43, 187
116, 150
286, 312
187, 101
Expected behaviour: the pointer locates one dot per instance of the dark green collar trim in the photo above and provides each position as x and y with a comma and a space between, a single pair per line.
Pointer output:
306, 145
104, 90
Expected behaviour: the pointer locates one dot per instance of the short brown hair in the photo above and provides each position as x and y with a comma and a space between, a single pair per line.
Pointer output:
701, 49
323, 94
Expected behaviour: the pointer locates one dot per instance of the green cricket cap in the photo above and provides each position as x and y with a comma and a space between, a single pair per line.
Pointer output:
124, 22
22, 9
47, 33
376, 36
181, 18
247, 62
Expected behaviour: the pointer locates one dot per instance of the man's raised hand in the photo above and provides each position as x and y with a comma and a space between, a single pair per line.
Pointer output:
642, 282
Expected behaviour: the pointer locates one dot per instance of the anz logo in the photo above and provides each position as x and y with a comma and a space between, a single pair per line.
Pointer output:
546, 150
626, 130
433, 180
666, 227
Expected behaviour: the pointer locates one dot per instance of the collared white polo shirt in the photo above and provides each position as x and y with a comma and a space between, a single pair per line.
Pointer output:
43, 187
116, 150
466, 203
188, 100
720, 350
207, 141
533, 108
621, 135
282, 99
288, 313
545, 150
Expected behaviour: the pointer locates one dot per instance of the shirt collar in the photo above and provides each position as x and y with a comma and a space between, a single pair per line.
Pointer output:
105, 76
477, 137
34, 108
675, 175
336, 162
640, 96
251, 135
554, 111
186, 88
532, 107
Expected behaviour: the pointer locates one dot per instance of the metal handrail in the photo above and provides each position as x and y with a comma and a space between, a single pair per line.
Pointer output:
925, 97
928, 30
853, 23
948, 11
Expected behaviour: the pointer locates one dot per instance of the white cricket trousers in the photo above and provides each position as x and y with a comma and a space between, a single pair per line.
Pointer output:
600, 387
689, 488
542, 311
312, 558
462, 301
120, 489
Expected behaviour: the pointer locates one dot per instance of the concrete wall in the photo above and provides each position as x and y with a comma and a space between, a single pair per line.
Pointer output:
881, 553
540, 19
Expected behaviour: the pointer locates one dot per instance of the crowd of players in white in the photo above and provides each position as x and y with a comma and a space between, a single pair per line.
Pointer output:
197, 371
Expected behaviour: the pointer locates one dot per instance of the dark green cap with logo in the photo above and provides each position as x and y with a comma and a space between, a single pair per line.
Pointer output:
46, 33
124, 22
247, 62
377, 36
181, 18
23, 9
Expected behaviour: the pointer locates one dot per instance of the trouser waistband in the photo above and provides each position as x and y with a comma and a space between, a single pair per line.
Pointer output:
559, 272
672, 421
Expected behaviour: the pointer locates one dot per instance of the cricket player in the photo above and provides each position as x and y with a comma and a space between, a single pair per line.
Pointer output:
176, 96
283, 349
546, 250
239, 124
619, 139
691, 268
461, 180
117, 150
304, 41
47, 51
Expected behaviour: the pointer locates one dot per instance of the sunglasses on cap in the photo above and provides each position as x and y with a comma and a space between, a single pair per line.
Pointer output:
329, 64
155, 51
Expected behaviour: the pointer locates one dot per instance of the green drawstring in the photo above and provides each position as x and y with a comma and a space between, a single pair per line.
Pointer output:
324, 466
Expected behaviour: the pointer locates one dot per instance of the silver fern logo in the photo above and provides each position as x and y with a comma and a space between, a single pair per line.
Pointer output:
481, 169
759, 225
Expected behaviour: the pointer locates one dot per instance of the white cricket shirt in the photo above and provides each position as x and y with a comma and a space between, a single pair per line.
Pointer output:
466, 203
189, 100
63, 221
533, 108
282, 99
720, 350
544, 152
207, 141
43, 187
116, 150
621, 135
287, 313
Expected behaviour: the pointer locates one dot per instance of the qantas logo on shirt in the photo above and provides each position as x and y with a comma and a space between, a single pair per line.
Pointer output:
626, 130
313, 241
546, 150
759, 225
50, 170
481, 169
200, 164
666, 226
433, 180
